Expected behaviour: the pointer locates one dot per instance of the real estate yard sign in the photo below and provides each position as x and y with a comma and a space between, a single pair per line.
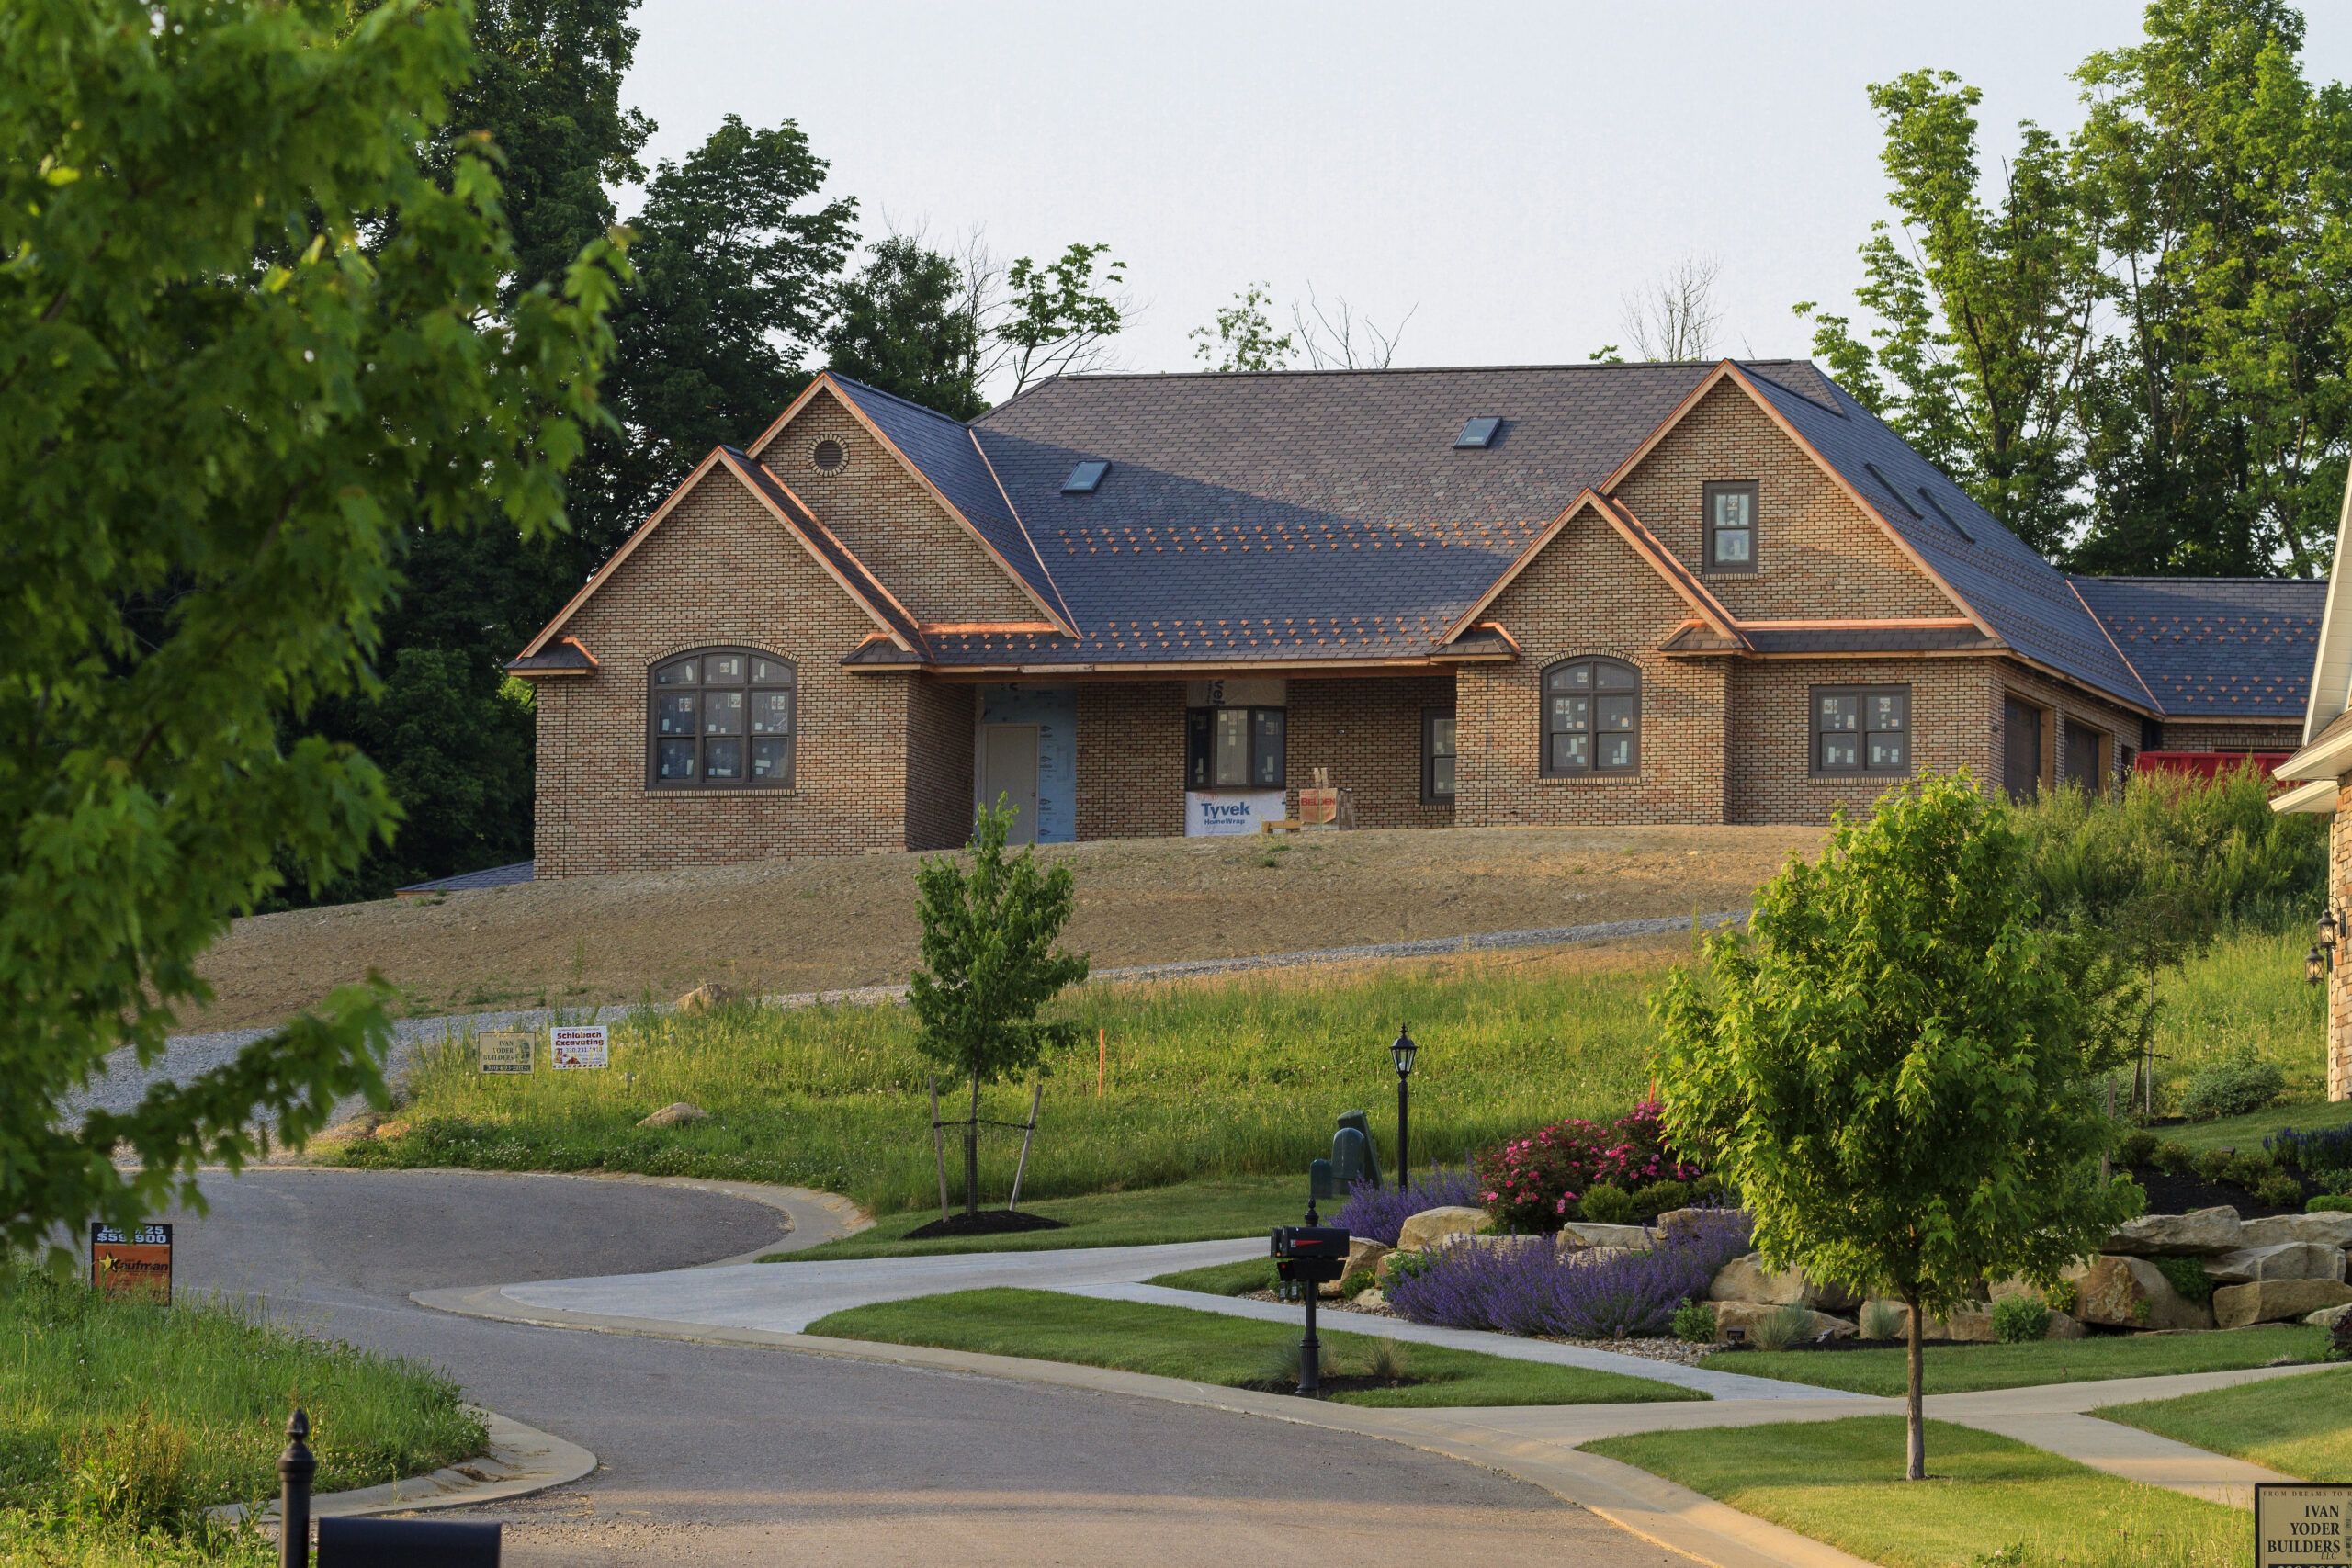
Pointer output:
2298, 1525
505, 1050
131, 1261
578, 1046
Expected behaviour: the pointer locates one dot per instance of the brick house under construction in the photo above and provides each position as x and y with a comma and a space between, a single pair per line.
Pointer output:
1155, 604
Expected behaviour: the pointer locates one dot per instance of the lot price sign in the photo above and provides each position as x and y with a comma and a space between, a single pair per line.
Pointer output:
131, 1261
573, 1047
2301, 1525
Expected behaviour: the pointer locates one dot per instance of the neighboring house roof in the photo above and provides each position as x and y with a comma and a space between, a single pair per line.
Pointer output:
2221, 647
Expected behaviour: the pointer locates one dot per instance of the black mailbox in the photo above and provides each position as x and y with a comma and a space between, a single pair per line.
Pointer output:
407, 1543
1310, 1254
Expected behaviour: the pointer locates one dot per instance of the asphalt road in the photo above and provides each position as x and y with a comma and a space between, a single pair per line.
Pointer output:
721, 1455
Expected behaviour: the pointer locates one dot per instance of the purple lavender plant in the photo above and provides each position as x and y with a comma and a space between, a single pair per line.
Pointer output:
1521, 1286
1379, 1212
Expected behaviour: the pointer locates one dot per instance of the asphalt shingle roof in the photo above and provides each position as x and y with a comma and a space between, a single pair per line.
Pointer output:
2215, 647
820, 539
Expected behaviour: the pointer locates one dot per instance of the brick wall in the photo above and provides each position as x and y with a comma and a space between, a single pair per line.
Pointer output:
2339, 983
1770, 731
892, 523
1818, 556
2231, 735
719, 571
1367, 731
1589, 594
1130, 759
940, 745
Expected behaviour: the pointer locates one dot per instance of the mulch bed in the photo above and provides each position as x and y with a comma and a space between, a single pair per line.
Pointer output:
988, 1221
1344, 1382
2169, 1194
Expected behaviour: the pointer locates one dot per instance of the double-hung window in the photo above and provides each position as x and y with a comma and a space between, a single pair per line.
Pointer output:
721, 718
1863, 731
1592, 717
1234, 748
1731, 525
1437, 756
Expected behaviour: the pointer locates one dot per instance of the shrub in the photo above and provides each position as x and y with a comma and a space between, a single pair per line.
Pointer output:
1530, 1288
1531, 1183
1695, 1323
1607, 1204
1779, 1328
2329, 1150
2214, 1165
2231, 1085
2187, 1277
2278, 1190
1409, 1266
2329, 1203
2137, 1147
2063, 1296
2249, 1168
1387, 1361
1378, 1212
2021, 1320
1882, 1320
1357, 1283
2174, 1159
1658, 1198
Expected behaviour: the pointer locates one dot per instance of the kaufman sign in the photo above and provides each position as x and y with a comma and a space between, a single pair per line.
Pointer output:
577, 1045
131, 1261
1216, 813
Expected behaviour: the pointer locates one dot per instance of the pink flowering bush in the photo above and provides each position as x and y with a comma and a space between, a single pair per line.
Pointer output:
1533, 1183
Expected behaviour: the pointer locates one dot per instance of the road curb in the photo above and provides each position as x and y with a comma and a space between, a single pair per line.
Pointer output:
519, 1460
1657, 1510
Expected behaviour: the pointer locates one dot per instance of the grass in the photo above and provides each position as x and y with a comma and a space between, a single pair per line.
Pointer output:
1217, 1077
1192, 1210
1221, 1279
2248, 1131
119, 1419
1990, 1500
2295, 1425
1206, 1347
2247, 989
1963, 1369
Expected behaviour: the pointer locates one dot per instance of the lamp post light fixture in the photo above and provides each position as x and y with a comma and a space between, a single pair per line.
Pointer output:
1402, 1051
2320, 960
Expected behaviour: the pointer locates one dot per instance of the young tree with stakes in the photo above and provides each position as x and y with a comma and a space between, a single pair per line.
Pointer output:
1899, 1066
989, 963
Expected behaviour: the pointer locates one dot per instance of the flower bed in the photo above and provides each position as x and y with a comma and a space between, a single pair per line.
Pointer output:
1377, 1212
1549, 1175
1522, 1285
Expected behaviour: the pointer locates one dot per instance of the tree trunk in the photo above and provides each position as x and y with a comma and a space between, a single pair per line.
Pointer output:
1915, 1457
972, 1155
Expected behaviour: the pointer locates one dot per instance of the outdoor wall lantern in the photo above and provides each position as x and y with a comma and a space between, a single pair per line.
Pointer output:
1402, 1051
2320, 960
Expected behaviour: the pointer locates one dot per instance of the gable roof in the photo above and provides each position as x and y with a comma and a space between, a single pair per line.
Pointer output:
2207, 647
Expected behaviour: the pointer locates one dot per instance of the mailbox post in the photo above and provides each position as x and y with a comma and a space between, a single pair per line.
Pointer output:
1313, 1255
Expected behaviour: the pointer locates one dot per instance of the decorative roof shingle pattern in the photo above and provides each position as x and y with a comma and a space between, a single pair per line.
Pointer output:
2237, 648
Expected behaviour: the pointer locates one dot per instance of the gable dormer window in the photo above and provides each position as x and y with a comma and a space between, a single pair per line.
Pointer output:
1731, 526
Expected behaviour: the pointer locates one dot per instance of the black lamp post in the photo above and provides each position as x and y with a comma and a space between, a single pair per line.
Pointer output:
1403, 1051
2321, 957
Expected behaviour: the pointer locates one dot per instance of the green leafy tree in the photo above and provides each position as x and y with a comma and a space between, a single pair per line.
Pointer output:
1055, 319
1244, 337
219, 407
905, 324
989, 963
1899, 1066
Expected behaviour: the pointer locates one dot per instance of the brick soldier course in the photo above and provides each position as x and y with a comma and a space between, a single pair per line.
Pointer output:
1330, 552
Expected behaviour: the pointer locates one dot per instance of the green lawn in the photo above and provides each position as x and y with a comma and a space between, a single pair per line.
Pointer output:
1206, 1347
1989, 1500
2296, 1425
1194, 1211
1962, 1369
2248, 1131
1221, 1279
1233, 1075
118, 1419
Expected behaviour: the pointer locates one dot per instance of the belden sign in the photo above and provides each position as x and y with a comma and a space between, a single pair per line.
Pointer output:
2297, 1525
131, 1261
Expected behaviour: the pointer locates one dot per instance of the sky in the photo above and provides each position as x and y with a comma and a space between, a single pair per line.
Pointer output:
1507, 174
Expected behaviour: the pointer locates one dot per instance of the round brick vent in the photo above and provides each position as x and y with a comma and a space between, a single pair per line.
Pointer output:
829, 456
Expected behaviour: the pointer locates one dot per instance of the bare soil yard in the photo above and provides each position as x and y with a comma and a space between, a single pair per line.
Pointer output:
785, 925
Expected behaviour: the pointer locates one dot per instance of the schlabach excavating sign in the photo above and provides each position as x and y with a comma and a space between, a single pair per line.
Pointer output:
2299, 1525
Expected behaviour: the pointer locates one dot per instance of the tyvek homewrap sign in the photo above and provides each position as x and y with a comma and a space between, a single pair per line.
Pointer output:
577, 1045
1215, 813
2299, 1525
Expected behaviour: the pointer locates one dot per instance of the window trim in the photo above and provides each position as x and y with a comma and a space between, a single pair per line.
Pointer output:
1707, 493
1430, 796
702, 782
1592, 768
1249, 727
1861, 768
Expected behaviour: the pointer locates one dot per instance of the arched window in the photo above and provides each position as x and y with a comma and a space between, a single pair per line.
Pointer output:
1592, 717
721, 718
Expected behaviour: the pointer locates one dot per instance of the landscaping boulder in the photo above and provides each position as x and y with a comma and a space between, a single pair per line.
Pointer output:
2063, 1327
1430, 1226
2280, 1260
1746, 1315
2131, 1292
1747, 1279
2275, 1301
2328, 1317
1363, 1254
1587, 1232
1678, 1219
2328, 1230
1969, 1325
1371, 1300
2201, 1233
677, 1114
1902, 1318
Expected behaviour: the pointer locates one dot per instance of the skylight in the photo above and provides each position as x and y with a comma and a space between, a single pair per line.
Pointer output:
1478, 432
1936, 507
1086, 477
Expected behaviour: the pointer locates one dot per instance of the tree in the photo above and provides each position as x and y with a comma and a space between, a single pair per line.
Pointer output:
1054, 320
1676, 317
217, 409
1897, 1067
1244, 336
989, 963
904, 323
1328, 334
